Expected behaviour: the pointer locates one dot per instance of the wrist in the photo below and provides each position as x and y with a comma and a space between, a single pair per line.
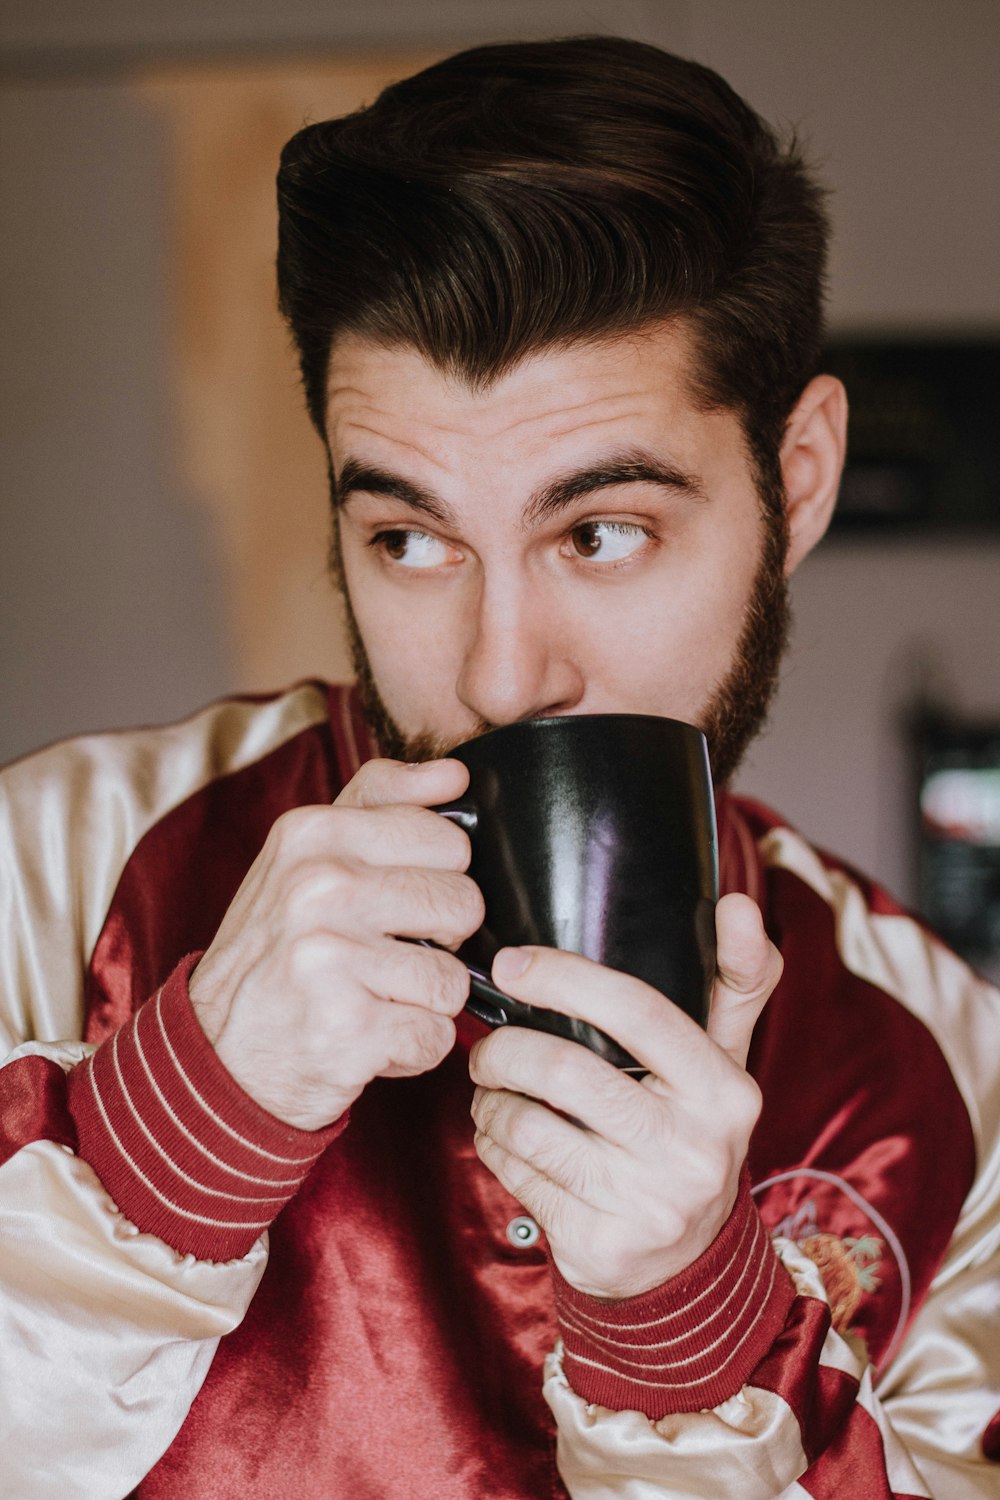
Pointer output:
690, 1343
184, 1152
257, 1067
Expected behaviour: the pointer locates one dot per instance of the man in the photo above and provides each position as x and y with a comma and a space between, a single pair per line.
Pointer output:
558, 313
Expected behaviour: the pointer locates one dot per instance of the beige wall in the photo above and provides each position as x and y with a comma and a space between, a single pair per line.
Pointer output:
111, 563
247, 455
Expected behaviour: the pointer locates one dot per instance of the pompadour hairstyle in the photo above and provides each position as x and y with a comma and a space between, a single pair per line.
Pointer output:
523, 196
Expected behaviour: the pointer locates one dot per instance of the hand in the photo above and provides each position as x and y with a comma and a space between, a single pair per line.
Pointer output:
631, 1180
305, 993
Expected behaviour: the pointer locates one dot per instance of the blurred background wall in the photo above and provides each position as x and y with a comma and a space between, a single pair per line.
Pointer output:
163, 522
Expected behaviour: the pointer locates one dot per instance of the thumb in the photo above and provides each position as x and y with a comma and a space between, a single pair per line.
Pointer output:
748, 966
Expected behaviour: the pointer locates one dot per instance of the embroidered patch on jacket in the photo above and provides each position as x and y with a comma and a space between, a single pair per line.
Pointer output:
858, 1255
850, 1265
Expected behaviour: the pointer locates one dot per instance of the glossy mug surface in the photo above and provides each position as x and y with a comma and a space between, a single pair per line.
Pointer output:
593, 833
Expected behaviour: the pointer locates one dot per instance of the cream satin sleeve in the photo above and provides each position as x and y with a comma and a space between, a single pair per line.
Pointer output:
106, 1334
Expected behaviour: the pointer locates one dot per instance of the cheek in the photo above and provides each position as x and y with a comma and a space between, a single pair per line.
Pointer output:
409, 640
668, 644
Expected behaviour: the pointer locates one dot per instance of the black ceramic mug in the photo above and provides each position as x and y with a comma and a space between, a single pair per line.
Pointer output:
594, 833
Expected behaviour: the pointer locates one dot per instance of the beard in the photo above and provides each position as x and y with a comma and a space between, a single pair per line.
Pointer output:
736, 710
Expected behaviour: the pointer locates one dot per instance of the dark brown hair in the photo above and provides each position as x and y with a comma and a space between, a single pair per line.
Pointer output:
521, 196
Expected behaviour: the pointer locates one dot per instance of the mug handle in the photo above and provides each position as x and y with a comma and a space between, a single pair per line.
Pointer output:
491, 1006
464, 813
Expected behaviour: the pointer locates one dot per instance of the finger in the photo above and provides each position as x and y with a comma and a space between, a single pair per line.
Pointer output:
657, 1033
748, 969
411, 975
567, 1077
439, 905
548, 1145
380, 783
396, 835
412, 1040
520, 1179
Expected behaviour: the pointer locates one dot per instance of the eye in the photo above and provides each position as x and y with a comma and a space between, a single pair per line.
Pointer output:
414, 549
607, 541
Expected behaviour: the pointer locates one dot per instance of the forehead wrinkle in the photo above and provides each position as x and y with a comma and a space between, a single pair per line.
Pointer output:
478, 407
397, 442
369, 403
586, 426
622, 400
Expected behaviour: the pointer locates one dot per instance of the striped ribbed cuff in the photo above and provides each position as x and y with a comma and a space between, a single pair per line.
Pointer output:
687, 1345
182, 1150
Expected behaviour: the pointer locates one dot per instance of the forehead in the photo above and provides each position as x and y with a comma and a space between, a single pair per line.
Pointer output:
584, 390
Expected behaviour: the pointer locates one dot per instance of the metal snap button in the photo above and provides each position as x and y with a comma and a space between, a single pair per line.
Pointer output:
523, 1232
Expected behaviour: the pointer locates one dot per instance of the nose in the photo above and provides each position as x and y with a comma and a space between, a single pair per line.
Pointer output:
519, 663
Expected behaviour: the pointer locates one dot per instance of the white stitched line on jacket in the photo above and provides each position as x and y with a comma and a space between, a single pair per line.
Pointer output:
714, 1316
289, 1182
286, 1161
184, 1213
199, 1187
676, 1364
752, 1226
670, 1384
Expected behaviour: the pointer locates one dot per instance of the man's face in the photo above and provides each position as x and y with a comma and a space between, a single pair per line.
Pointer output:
577, 538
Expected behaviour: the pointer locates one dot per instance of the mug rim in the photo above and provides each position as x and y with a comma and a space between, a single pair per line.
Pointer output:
546, 722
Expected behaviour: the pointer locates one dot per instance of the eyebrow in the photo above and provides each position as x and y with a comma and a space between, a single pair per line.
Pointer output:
627, 466
360, 478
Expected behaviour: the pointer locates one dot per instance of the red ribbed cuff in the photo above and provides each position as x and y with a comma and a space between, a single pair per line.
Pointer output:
184, 1152
689, 1344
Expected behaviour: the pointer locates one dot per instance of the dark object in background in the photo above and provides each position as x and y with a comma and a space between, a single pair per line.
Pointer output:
924, 437
594, 833
958, 762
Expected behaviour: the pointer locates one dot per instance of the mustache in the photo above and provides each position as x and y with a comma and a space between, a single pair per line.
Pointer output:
427, 746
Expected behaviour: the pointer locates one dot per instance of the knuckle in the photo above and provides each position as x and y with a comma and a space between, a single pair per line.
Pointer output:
486, 1111
452, 843
409, 835
497, 1056
432, 1039
563, 1074
747, 1103
289, 829
473, 907
449, 835
400, 890
451, 901
316, 958
449, 982
525, 1134
320, 894
388, 832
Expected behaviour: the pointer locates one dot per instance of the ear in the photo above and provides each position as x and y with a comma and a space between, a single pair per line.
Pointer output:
812, 458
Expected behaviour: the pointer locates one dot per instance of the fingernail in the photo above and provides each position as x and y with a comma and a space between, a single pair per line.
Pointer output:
510, 963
